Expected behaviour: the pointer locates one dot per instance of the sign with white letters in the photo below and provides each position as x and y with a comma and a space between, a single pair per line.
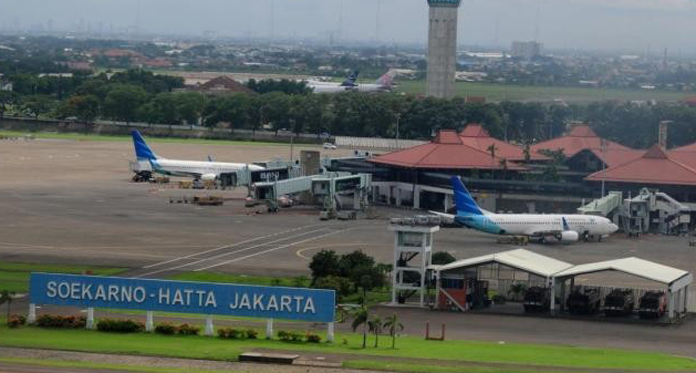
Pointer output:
182, 296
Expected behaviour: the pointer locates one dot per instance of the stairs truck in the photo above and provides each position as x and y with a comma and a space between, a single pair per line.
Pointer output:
537, 299
585, 302
620, 302
653, 305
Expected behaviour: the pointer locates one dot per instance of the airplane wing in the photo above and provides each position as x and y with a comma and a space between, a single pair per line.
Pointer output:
449, 217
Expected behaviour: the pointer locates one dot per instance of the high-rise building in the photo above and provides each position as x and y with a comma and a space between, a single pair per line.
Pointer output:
526, 49
442, 47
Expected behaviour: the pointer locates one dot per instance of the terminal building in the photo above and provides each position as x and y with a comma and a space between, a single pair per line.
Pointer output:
593, 176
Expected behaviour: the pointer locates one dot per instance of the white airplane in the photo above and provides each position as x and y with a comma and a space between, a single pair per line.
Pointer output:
564, 228
384, 83
330, 87
207, 170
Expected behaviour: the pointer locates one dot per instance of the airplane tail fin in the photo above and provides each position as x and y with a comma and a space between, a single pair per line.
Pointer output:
566, 227
142, 151
352, 79
463, 201
386, 80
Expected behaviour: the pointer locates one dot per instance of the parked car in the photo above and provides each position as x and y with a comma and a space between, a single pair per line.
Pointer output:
328, 145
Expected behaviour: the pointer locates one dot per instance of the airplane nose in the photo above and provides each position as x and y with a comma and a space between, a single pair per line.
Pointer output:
614, 227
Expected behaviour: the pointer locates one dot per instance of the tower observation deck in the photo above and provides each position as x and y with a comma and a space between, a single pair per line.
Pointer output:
442, 47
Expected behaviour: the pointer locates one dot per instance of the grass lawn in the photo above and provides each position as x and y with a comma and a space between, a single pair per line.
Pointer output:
213, 348
15, 276
92, 137
502, 92
100, 366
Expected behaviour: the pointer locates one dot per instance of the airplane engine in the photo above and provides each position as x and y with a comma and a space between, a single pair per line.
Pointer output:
569, 236
211, 177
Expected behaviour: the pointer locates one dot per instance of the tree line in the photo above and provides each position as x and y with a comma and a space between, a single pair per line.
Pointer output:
141, 96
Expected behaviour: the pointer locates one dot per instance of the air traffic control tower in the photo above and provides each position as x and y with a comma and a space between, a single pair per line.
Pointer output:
442, 48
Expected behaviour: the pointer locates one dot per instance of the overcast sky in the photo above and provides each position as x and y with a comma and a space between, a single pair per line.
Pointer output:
586, 24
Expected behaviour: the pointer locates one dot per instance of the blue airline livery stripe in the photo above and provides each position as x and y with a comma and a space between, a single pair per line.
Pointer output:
181, 296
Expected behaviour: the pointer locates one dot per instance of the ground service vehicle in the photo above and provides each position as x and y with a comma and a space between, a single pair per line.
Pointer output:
537, 299
653, 304
585, 302
619, 302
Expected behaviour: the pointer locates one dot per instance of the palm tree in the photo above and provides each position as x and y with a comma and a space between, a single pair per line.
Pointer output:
394, 326
360, 318
7, 296
375, 324
516, 290
492, 149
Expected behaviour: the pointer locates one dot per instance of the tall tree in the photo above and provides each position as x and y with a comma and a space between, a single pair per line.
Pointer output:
122, 102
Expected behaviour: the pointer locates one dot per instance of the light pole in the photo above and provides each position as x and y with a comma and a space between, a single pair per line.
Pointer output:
398, 117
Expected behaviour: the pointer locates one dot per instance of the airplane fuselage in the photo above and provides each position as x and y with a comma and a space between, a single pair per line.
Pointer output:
537, 224
184, 168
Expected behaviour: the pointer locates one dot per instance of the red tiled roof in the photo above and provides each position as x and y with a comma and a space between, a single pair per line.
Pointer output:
691, 101
654, 167
445, 151
685, 148
223, 84
477, 137
615, 157
582, 137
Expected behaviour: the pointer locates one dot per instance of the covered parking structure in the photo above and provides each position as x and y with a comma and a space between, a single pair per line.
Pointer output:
464, 284
676, 281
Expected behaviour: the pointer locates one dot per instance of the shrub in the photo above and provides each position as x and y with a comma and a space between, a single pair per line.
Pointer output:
120, 326
312, 337
251, 333
165, 328
186, 329
15, 321
290, 336
57, 321
231, 333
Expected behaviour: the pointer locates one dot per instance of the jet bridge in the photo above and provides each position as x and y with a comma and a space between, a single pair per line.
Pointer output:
604, 206
329, 189
654, 211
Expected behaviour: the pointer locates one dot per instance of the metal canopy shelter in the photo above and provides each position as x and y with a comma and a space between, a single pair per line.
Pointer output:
556, 272
676, 280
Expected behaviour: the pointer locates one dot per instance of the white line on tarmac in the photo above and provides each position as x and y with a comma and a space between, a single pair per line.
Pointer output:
229, 253
273, 249
227, 246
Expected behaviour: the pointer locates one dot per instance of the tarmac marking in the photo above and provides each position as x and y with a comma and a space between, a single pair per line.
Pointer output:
300, 252
227, 246
274, 249
228, 253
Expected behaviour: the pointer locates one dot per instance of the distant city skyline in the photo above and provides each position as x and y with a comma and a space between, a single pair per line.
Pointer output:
619, 25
